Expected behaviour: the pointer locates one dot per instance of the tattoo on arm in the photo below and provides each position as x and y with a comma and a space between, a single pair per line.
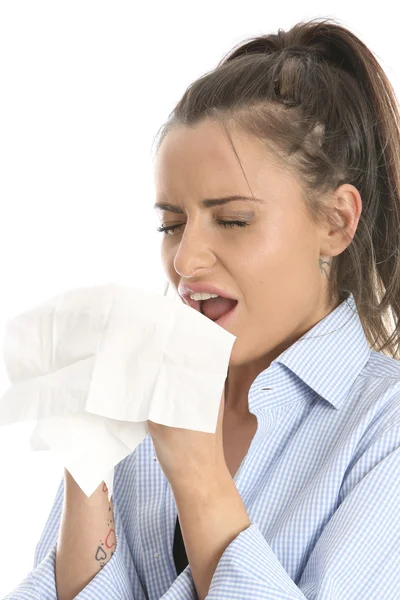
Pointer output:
103, 550
110, 539
100, 554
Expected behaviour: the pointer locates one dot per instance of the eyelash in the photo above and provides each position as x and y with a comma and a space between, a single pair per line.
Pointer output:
225, 224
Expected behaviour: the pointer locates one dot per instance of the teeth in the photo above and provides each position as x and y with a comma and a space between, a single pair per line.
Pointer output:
202, 296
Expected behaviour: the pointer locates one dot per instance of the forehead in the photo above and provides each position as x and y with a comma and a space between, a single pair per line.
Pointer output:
199, 162
202, 155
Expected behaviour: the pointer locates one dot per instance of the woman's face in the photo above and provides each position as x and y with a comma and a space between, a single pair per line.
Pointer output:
271, 265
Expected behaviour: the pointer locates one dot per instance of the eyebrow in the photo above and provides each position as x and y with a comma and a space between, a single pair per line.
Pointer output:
207, 203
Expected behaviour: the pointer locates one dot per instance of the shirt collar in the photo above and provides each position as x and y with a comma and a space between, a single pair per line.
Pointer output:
327, 358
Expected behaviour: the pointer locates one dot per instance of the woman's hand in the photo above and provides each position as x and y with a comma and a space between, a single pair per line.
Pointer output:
186, 455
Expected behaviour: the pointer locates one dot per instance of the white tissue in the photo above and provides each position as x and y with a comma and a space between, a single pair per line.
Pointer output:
90, 366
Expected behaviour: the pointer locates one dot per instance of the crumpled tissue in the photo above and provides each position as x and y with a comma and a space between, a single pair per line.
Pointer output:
91, 365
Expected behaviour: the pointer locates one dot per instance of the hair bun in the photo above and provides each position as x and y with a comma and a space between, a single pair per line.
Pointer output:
270, 44
263, 44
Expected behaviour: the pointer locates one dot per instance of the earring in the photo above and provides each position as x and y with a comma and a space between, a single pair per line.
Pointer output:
166, 288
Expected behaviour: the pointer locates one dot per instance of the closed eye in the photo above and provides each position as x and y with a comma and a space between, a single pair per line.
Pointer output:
225, 224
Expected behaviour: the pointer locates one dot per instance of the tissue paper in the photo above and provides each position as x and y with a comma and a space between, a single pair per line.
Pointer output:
92, 365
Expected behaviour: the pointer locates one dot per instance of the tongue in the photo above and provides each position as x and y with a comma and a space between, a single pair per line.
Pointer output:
214, 308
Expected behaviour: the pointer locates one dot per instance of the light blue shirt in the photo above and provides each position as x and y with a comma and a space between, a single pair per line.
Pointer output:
320, 483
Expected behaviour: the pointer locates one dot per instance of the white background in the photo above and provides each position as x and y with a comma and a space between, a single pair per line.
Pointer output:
84, 88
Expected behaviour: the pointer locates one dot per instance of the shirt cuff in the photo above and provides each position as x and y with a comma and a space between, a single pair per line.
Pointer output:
111, 582
249, 569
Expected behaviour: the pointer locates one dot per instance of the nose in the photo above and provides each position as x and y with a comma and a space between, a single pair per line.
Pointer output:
194, 254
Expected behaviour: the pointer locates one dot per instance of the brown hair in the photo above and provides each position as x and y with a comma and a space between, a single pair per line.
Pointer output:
319, 100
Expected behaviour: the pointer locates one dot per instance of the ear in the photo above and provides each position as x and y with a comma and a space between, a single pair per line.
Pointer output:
346, 207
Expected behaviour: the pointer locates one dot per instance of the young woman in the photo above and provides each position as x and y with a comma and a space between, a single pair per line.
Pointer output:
278, 190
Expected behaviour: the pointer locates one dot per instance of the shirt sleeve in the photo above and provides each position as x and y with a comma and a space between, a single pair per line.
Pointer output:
117, 580
183, 587
356, 557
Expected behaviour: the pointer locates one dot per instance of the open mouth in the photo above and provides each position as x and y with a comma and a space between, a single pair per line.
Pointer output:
218, 308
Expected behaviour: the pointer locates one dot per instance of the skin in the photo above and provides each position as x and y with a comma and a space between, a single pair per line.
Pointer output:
86, 539
277, 266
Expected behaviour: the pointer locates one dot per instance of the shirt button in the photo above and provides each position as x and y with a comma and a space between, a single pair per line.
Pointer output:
156, 555
154, 457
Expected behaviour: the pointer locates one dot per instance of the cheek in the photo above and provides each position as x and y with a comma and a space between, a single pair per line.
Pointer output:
290, 247
280, 269
167, 261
